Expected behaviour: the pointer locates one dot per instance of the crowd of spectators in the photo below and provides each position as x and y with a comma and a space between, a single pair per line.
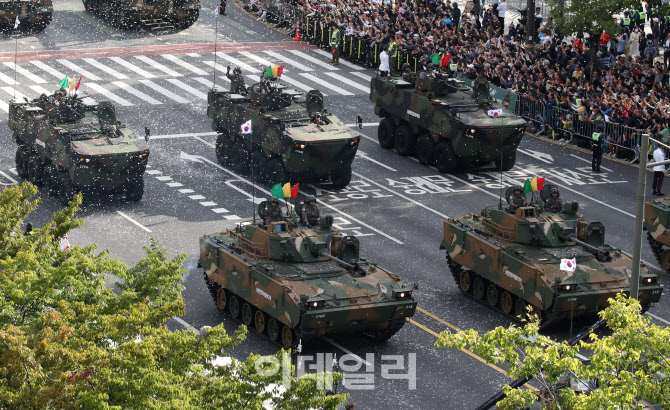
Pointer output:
630, 86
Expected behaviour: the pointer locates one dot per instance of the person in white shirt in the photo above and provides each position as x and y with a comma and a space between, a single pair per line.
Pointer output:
502, 8
384, 63
659, 170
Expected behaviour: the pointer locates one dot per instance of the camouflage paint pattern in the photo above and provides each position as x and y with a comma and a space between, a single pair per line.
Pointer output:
283, 127
183, 13
31, 13
657, 222
521, 253
451, 113
82, 148
278, 269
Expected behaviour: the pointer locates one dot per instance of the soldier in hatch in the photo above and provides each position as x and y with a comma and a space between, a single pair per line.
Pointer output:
518, 199
274, 213
237, 85
310, 212
407, 74
554, 203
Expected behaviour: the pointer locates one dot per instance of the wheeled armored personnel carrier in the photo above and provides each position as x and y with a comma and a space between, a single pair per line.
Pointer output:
292, 281
34, 15
510, 258
76, 144
291, 136
444, 123
145, 13
657, 224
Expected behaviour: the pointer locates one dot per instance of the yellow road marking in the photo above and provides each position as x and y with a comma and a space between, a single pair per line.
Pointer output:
438, 319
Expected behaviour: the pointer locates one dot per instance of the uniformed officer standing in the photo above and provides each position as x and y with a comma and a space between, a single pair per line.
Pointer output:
597, 139
274, 213
393, 57
222, 8
407, 74
554, 203
335, 44
310, 212
518, 199
237, 85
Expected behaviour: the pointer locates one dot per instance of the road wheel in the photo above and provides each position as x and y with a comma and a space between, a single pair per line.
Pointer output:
465, 282
67, 190
22, 156
35, 170
234, 307
135, 190
287, 337
492, 294
506, 302
478, 288
405, 140
276, 172
259, 321
223, 146
445, 157
260, 166
385, 133
341, 177
51, 179
247, 317
239, 156
273, 329
520, 308
507, 162
425, 149
221, 299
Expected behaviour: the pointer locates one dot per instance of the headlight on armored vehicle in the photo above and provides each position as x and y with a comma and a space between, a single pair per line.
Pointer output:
402, 293
314, 304
354, 141
565, 287
144, 155
299, 145
649, 280
83, 160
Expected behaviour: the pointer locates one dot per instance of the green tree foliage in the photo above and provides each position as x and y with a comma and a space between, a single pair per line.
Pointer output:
629, 363
67, 341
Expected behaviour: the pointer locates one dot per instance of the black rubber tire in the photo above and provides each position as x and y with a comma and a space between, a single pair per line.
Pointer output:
445, 157
239, 157
234, 306
135, 190
288, 339
51, 181
405, 140
222, 149
21, 157
67, 190
425, 149
272, 329
276, 173
247, 314
386, 133
341, 177
492, 295
507, 162
259, 166
221, 299
35, 170
478, 288
260, 321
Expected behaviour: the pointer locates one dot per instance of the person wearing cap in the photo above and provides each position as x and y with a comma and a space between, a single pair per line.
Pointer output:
274, 213
393, 55
407, 74
310, 212
335, 44
597, 139
518, 199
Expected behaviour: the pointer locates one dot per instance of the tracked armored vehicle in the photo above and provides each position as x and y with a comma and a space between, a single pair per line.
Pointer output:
444, 123
158, 14
291, 281
76, 144
657, 224
510, 259
291, 137
34, 15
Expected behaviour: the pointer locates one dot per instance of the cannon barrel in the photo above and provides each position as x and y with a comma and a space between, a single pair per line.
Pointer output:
594, 250
340, 261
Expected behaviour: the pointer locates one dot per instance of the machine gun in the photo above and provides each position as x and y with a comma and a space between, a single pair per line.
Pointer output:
601, 255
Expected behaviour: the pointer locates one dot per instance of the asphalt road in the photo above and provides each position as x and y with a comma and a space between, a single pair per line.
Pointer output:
394, 205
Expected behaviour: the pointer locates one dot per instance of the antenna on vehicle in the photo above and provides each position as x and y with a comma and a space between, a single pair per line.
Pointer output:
16, 52
502, 119
216, 39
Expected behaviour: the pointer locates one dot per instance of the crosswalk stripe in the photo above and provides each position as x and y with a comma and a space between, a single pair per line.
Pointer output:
102, 90
108, 70
184, 64
312, 59
11, 91
193, 54
219, 69
205, 81
293, 63
4, 106
237, 62
32, 77
132, 67
342, 62
72, 66
158, 66
188, 89
164, 91
298, 84
48, 69
349, 82
325, 84
137, 93
40, 89
363, 76
259, 59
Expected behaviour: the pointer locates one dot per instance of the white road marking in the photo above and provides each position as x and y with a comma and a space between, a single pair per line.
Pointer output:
193, 134
9, 178
164, 91
186, 191
4, 106
32, 77
365, 88
209, 83
11, 91
587, 161
204, 142
335, 88
102, 90
193, 54
196, 197
363, 76
259, 59
365, 124
185, 323
95, 63
174, 184
660, 319
313, 60
294, 63
158, 66
164, 178
298, 84
7, 80
220, 210
347, 351
132, 67
219, 68
40, 89
234, 61
133, 221
342, 61
208, 203
230, 217
366, 157
539, 155
72, 66
137, 93
48, 69
184, 64
154, 172
187, 88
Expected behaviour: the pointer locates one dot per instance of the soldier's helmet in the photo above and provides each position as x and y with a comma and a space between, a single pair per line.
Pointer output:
310, 198
58, 93
274, 200
555, 191
518, 188
405, 65
430, 66
237, 70
63, 91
